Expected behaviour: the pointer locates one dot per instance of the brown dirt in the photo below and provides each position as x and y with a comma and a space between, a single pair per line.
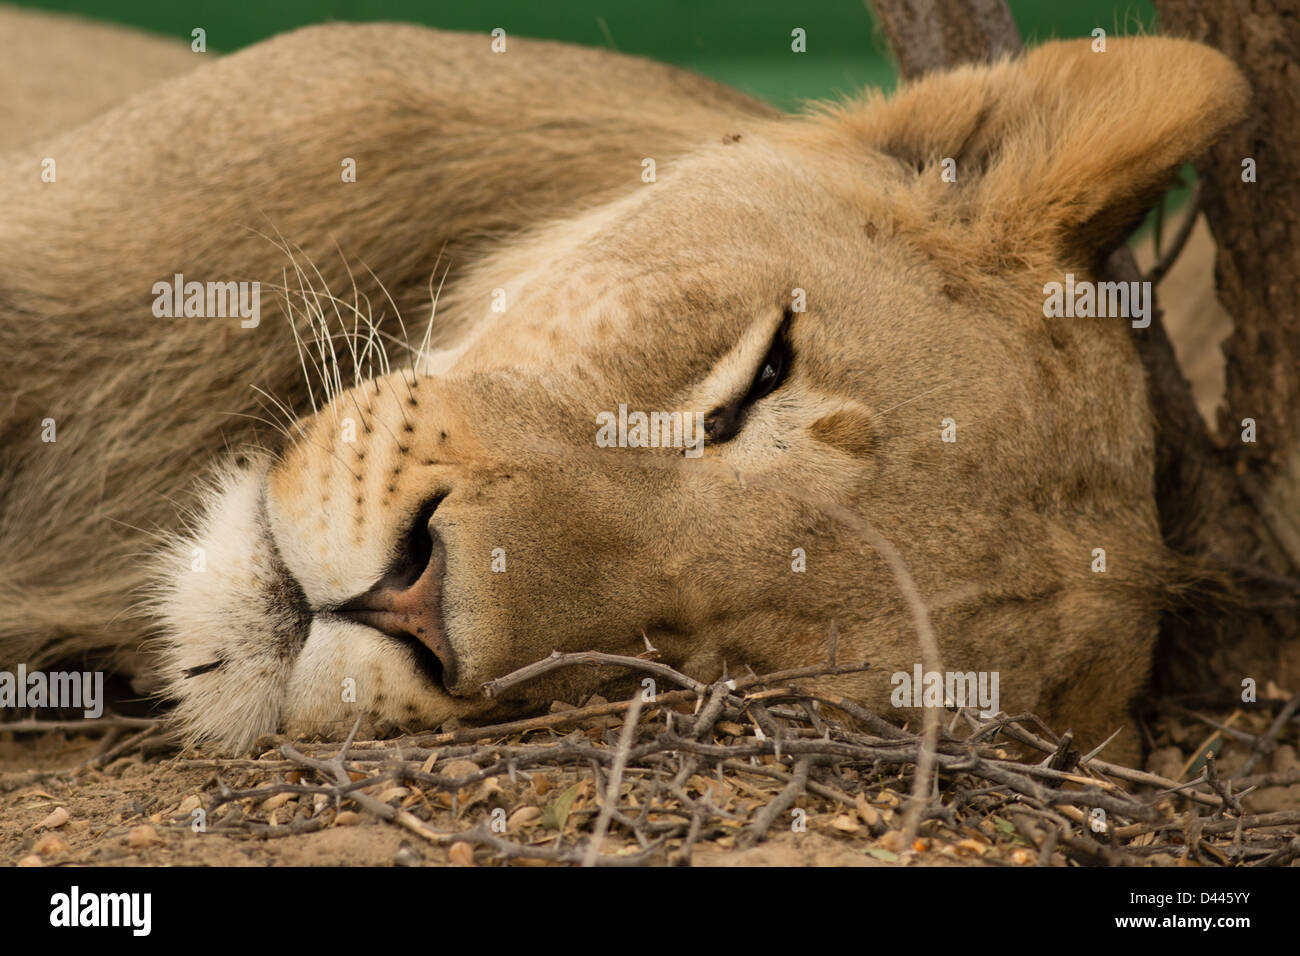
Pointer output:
107, 807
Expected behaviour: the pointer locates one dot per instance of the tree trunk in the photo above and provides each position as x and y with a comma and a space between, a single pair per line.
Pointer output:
1250, 519
932, 34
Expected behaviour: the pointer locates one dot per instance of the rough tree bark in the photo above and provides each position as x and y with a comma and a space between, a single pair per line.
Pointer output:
931, 34
1251, 519
1231, 508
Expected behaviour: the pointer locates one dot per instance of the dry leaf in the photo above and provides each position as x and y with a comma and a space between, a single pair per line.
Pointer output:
485, 789
347, 818
56, 819
461, 854
869, 814
557, 812
189, 805
845, 824
702, 785
524, 816
1273, 692
277, 801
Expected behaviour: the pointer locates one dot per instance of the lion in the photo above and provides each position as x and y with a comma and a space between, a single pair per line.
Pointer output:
487, 274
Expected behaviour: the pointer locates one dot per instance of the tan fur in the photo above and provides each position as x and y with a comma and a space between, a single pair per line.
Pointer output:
924, 303
59, 71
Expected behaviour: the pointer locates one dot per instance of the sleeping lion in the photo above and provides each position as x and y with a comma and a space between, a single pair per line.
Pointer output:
356, 369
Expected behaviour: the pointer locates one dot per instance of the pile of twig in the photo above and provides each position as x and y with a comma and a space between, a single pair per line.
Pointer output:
729, 764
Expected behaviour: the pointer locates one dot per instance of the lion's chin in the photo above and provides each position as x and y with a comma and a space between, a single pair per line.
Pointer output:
346, 670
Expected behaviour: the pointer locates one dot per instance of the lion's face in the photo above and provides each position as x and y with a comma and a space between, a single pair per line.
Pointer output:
863, 349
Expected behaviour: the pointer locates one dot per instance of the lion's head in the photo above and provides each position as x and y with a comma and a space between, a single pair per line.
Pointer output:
861, 342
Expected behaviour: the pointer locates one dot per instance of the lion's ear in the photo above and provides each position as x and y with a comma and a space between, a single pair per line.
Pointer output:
1068, 145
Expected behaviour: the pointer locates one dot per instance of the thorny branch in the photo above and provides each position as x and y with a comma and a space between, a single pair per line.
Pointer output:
740, 761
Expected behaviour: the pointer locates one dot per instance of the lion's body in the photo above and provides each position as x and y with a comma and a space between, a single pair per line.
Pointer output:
522, 172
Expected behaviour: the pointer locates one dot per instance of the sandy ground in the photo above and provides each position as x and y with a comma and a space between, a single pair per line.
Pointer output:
108, 809
56, 809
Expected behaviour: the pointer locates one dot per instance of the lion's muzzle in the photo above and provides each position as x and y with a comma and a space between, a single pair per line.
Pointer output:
406, 603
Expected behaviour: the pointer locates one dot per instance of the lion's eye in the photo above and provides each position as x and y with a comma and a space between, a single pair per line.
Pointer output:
723, 424
771, 373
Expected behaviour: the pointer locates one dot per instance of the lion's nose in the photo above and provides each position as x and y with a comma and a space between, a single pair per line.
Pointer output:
406, 603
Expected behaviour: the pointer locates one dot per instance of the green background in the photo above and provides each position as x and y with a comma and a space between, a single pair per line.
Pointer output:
742, 42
